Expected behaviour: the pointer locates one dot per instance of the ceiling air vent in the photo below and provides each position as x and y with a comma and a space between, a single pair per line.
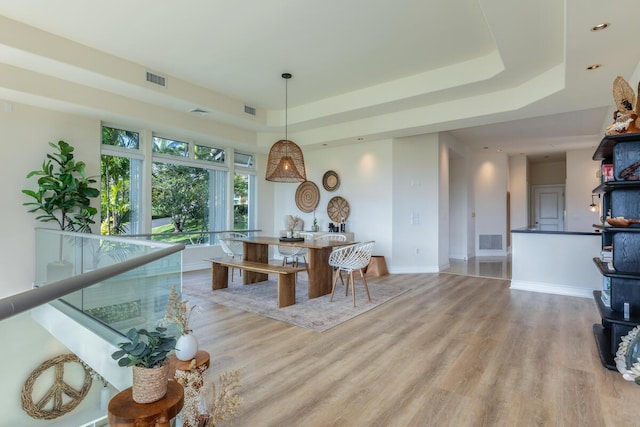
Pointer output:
199, 111
249, 110
156, 79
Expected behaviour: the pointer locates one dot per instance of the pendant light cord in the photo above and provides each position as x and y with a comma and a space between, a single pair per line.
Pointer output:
286, 77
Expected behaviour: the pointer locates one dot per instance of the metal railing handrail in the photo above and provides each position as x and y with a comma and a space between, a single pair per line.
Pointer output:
131, 236
18, 303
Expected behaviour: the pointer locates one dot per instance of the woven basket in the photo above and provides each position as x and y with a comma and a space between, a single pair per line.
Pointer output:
149, 384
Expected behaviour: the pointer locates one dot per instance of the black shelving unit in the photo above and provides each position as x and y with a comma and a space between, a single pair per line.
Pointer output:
620, 197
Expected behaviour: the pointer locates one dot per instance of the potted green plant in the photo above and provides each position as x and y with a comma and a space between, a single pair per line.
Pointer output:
64, 193
146, 352
63, 196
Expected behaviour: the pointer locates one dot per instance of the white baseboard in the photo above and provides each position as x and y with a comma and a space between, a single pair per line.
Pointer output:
548, 288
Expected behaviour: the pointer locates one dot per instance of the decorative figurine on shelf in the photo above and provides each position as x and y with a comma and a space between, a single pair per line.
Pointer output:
626, 116
343, 226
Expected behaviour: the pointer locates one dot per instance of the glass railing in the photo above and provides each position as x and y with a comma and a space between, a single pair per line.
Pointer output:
192, 238
103, 286
136, 298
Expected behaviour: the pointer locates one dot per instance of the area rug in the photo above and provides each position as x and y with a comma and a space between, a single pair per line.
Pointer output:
317, 314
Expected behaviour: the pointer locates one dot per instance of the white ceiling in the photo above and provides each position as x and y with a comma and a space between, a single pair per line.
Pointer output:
504, 75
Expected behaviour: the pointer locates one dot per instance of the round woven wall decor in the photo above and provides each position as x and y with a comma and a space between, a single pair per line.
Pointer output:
60, 397
338, 209
307, 196
330, 181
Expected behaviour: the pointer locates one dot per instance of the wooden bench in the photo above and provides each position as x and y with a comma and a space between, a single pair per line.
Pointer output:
286, 276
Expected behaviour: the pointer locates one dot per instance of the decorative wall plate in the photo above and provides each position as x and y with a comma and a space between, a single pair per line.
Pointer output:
330, 181
338, 209
307, 196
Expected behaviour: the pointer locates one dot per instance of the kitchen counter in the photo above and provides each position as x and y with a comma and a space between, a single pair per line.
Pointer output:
556, 262
535, 229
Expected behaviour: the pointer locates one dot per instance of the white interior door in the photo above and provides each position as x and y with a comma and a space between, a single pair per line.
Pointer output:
548, 207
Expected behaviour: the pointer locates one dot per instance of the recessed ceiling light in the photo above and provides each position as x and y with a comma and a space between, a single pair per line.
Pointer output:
199, 111
485, 148
600, 27
360, 138
594, 67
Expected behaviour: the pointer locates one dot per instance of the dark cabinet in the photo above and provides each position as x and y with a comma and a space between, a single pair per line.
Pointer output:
618, 302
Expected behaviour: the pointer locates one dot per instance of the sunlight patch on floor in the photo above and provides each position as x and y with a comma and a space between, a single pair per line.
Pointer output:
493, 266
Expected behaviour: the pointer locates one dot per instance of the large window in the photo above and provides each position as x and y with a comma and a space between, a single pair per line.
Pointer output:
121, 168
187, 195
244, 192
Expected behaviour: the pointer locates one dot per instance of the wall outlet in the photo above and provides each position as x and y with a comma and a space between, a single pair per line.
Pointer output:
415, 218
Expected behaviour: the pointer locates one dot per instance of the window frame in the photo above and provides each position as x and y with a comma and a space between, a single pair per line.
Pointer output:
148, 157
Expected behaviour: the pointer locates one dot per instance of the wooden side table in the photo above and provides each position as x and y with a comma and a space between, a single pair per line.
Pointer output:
190, 374
124, 412
202, 360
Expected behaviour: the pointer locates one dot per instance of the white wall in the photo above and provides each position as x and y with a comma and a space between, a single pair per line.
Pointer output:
490, 190
22, 357
459, 214
519, 190
365, 182
460, 217
26, 132
416, 210
582, 178
443, 207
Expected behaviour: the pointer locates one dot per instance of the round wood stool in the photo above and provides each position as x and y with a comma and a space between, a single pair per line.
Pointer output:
124, 412
202, 359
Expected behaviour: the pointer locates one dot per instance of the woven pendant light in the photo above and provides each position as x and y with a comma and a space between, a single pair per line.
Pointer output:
285, 162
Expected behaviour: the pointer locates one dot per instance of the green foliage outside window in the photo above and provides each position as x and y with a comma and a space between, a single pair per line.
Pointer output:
115, 214
240, 202
181, 193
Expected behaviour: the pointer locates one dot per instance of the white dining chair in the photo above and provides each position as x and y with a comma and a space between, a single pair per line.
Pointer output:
349, 259
293, 252
333, 237
232, 248
336, 237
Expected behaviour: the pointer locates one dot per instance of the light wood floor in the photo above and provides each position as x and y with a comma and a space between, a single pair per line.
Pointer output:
453, 351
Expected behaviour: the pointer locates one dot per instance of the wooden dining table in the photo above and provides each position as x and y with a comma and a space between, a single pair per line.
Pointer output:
320, 272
